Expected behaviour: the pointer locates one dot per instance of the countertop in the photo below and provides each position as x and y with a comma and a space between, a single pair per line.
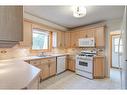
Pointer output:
16, 74
99, 56
41, 57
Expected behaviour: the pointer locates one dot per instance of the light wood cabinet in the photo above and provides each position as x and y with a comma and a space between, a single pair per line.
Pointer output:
98, 69
45, 69
11, 23
90, 33
100, 37
47, 66
67, 38
97, 33
27, 34
71, 63
52, 68
60, 39
74, 39
75, 36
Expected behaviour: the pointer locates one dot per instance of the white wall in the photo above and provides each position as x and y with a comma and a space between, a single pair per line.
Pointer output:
112, 26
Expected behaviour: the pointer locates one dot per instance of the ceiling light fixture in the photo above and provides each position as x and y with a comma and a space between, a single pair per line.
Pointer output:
79, 11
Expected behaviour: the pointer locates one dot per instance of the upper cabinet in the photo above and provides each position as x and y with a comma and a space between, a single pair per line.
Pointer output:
97, 33
60, 39
90, 33
11, 23
67, 36
100, 37
73, 42
27, 34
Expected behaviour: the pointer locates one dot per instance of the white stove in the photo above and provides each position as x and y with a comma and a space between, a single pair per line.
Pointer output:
84, 64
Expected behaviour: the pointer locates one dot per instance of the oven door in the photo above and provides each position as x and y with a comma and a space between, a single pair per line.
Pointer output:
84, 65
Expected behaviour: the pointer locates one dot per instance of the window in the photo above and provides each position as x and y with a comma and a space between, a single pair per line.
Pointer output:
40, 39
116, 43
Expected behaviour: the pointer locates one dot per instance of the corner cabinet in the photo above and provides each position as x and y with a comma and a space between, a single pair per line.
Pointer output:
47, 66
11, 23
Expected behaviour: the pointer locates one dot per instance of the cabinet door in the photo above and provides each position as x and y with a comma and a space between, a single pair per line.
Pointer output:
71, 65
11, 23
36, 63
27, 34
52, 67
73, 39
100, 37
99, 67
60, 39
90, 33
67, 39
82, 34
45, 70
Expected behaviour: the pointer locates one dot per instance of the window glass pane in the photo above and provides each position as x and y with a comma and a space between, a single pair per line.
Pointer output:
54, 40
117, 41
116, 49
120, 49
40, 39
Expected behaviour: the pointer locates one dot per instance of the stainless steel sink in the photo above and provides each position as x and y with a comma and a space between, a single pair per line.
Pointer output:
44, 55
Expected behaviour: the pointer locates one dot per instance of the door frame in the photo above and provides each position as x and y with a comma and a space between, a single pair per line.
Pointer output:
111, 35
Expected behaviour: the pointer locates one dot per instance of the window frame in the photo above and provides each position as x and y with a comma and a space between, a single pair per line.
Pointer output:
49, 41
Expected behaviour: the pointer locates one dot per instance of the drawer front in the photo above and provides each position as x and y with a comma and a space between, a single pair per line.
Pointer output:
51, 59
35, 62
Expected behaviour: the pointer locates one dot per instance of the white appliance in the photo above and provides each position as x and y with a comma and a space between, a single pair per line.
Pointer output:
123, 37
61, 64
84, 64
86, 42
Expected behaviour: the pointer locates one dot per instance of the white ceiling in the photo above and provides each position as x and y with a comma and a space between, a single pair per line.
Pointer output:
62, 15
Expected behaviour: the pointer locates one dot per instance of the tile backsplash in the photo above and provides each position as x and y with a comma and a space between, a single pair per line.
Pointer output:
17, 51
75, 51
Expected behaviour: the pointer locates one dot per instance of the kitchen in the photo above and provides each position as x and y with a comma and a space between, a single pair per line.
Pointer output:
51, 55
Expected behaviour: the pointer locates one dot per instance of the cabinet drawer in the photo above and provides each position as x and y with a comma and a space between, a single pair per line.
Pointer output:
35, 62
51, 59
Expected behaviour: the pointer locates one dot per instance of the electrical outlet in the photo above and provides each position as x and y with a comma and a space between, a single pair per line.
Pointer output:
3, 51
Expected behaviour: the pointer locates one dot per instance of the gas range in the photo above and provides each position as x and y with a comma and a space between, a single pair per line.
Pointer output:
86, 54
84, 64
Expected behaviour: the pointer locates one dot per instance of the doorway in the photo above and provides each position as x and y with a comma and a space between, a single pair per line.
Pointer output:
114, 64
115, 52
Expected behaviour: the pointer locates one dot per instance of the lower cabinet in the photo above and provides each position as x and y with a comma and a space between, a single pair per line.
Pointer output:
47, 66
98, 69
71, 64
45, 70
52, 69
